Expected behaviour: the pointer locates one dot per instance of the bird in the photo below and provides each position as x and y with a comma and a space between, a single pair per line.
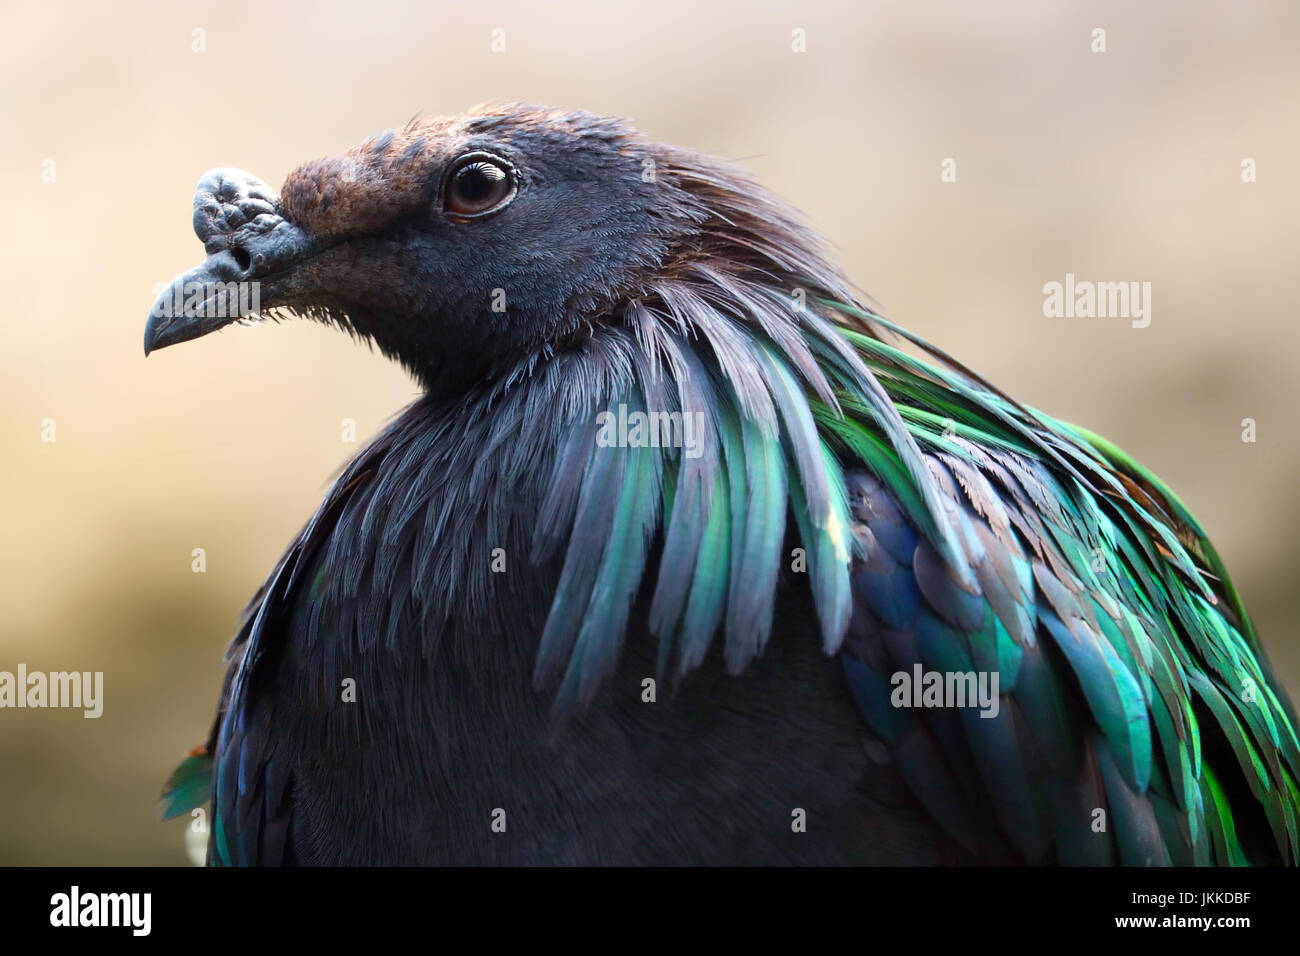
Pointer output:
686, 554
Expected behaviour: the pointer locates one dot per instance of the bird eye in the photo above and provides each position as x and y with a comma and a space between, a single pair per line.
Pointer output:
479, 184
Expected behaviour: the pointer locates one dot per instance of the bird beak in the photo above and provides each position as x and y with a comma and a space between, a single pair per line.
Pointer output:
253, 252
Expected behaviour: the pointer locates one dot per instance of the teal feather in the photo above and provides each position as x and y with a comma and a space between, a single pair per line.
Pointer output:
828, 549
708, 599
758, 524
189, 787
635, 519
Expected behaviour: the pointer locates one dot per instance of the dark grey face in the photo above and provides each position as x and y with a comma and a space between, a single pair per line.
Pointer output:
454, 243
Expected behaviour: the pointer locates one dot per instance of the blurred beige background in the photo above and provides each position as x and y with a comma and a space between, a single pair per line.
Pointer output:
1116, 166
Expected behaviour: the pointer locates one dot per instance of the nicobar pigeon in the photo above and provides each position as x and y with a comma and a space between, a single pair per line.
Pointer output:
646, 573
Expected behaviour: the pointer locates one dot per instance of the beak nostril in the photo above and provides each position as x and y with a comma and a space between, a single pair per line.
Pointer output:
242, 258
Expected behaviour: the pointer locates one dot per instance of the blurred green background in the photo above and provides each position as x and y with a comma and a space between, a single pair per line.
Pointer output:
1123, 165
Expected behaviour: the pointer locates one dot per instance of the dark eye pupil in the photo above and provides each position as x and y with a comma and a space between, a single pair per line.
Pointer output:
479, 184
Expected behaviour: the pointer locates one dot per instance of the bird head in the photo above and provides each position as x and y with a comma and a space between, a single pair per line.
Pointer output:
548, 276
466, 245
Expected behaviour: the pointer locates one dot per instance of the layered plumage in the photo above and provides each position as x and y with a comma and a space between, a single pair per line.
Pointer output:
500, 579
